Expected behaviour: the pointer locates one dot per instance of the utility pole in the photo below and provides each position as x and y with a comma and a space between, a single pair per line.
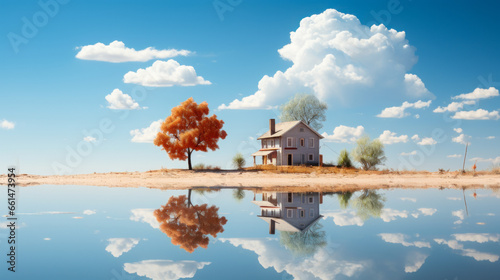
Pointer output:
463, 167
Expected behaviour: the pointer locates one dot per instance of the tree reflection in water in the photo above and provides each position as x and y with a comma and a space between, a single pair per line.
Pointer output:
344, 198
306, 242
189, 225
368, 204
238, 194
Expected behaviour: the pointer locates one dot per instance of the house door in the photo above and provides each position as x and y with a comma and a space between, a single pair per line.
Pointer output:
290, 159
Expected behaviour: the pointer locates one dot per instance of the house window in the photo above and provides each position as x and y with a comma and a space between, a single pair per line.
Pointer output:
264, 144
290, 197
311, 213
302, 213
301, 129
272, 143
289, 213
311, 199
311, 142
311, 157
302, 142
289, 141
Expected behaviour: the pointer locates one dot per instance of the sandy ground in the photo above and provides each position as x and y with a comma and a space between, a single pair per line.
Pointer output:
181, 179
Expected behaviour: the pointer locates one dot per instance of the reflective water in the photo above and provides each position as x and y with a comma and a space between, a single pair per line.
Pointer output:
78, 232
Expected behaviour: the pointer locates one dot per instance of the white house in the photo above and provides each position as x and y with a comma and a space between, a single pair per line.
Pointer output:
295, 212
289, 143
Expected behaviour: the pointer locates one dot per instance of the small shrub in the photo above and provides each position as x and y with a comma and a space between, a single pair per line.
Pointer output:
201, 166
239, 161
344, 160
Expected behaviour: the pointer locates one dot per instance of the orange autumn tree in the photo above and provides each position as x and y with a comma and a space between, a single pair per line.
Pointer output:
189, 225
189, 129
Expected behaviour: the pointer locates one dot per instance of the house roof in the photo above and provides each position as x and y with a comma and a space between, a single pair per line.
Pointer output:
283, 225
283, 127
263, 153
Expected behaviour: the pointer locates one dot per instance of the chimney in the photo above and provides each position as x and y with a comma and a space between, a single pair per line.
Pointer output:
272, 226
272, 126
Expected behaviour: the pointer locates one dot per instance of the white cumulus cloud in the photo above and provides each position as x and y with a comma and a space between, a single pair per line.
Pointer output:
145, 216
399, 238
460, 214
389, 214
165, 269
427, 141
165, 74
400, 111
427, 211
387, 138
479, 114
117, 52
117, 100
461, 139
5, 124
477, 237
478, 256
412, 153
148, 134
344, 218
334, 56
414, 262
89, 139
326, 263
454, 106
454, 156
119, 246
478, 93
89, 212
494, 161
458, 130
345, 134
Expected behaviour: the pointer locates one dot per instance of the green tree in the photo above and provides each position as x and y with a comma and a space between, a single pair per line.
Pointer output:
368, 153
239, 161
306, 242
369, 204
238, 194
344, 159
344, 198
306, 108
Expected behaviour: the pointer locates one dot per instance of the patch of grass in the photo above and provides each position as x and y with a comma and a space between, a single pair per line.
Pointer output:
303, 169
495, 169
202, 166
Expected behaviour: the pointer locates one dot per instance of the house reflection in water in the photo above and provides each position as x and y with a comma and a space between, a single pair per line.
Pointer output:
291, 212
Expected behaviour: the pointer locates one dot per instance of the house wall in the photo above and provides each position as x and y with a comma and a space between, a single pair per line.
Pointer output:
297, 150
301, 202
267, 144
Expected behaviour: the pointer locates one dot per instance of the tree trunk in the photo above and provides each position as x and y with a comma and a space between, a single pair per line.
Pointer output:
189, 160
189, 198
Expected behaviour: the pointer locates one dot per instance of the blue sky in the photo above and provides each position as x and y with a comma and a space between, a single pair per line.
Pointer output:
59, 64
